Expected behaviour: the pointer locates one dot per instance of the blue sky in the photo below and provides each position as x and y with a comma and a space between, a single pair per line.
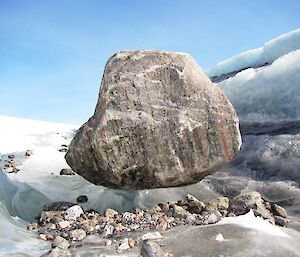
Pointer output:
53, 51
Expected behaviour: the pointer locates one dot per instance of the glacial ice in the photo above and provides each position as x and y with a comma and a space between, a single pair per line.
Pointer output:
250, 58
267, 54
270, 93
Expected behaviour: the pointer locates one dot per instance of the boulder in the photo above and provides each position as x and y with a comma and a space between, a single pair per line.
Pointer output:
159, 122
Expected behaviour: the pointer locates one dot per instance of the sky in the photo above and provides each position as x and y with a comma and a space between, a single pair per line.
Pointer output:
52, 52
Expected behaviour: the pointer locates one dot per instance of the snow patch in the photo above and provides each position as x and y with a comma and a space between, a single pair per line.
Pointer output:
267, 94
17, 134
250, 221
271, 51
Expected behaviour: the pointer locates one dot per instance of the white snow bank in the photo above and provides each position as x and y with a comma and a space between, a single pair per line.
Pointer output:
250, 221
17, 134
281, 45
271, 93
250, 58
271, 51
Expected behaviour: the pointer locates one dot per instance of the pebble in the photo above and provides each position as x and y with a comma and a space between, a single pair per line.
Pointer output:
107, 242
82, 199
108, 230
73, 213
110, 213
32, 226
77, 234
279, 211
64, 224
123, 245
151, 249
58, 252
151, 236
220, 203
212, 218
163, 225
280, 221
131, 242
43, 237
60, 242
28, 153
68, 172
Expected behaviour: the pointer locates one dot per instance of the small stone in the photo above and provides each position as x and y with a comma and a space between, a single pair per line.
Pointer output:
242, 203
131, 242
213, 218
151, 249
28, 153
49, 237
32, 226
191, 198
155, 208
60, 242
196, 207
108, 242
151, 236
280, 221
50, 226
108, 230
68, 172
164, 207
220, 203
63, 150
232, 215
279, 211
123, 245
73, 213
178, 211
58, 252
163, 225
219, 237
77, 234
110, 213
82, 199
64, 224
191, 218
43, 237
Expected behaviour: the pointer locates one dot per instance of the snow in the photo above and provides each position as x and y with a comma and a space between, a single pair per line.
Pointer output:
18, 134
244, 60
281, 45
267, 54
257, 223
270, 93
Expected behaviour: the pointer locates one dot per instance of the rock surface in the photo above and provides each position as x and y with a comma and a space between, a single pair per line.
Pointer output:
159, 122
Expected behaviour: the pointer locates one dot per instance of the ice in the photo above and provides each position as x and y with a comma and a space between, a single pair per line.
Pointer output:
267, 54
250, 221
271, 93
281, 45
17, 134
250, 58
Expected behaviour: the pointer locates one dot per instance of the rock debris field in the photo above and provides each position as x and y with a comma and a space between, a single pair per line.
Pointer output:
68, 226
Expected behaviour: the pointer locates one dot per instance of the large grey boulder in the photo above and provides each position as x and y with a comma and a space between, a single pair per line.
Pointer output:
159, 122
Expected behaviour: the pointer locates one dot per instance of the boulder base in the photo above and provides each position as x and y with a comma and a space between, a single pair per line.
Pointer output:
159, 122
